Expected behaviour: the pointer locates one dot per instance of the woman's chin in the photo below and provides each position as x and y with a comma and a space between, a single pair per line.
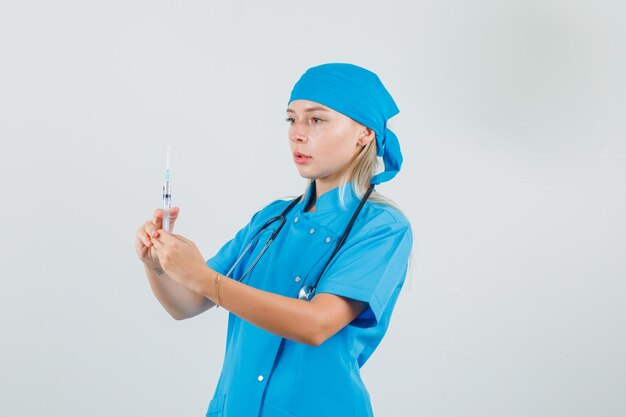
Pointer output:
305, 173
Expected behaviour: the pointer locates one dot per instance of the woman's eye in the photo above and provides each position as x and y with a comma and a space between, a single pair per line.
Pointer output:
316, 120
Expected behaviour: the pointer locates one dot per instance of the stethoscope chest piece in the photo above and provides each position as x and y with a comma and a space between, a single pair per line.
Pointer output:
306, 292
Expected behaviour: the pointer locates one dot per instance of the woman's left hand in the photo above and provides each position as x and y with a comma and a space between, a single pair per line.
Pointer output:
180, 258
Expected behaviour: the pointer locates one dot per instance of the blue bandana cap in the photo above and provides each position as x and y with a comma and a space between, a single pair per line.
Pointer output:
359, 94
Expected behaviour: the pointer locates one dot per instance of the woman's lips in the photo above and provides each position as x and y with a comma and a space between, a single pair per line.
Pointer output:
300, 158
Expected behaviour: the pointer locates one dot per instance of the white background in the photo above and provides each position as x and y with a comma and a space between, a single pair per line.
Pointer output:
512, 127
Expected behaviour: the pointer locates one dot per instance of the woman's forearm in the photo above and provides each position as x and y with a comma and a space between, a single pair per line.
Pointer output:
288, 317
179, 301
298, 320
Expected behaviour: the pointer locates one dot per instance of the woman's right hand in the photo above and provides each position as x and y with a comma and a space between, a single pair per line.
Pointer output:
143, 242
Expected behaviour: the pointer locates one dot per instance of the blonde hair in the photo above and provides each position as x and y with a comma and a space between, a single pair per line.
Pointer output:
360, 173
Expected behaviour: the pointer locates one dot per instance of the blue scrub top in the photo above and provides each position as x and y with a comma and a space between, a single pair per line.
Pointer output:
266, 375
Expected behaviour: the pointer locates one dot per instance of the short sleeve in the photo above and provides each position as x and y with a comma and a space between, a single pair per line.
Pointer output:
370, 267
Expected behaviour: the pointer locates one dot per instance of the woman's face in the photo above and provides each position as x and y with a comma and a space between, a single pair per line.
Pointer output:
328, 140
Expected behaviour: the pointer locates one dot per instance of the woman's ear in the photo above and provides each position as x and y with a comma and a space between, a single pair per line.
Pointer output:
367, 135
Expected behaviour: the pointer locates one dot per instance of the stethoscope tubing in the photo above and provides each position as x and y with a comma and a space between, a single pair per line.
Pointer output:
346, 232
307, 290
282, 219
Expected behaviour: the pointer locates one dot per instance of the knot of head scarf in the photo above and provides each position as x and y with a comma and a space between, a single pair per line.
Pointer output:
359, 94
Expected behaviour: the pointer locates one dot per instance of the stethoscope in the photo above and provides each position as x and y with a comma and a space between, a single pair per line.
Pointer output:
307, 291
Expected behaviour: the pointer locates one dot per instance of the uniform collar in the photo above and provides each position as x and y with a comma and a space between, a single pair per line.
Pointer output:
329, 201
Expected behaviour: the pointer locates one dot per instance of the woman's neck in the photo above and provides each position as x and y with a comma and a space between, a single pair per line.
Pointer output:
322, 187
319, 188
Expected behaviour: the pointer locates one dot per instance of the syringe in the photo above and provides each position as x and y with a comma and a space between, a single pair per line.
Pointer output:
167, 194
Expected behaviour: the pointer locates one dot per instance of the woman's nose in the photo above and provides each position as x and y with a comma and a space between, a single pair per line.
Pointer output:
298, 138
297, 134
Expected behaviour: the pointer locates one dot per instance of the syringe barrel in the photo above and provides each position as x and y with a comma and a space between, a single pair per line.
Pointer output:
167, 205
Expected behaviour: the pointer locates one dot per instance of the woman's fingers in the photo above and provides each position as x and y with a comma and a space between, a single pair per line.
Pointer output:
143, 237
174, 213
158, 213
149, 232
158, 244
145, 232
173, 216
150, 229
165, 237
157, 220
183, 238
158, 217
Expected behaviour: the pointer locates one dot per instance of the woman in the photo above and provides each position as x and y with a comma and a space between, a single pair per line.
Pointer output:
307, 311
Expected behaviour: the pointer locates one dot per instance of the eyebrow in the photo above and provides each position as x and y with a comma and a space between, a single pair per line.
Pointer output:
309, 109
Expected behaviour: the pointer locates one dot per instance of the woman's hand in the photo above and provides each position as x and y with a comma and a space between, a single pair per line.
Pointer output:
143, 242
180, 258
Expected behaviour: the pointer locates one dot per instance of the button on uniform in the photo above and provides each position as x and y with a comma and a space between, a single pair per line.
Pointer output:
294, 253
327, 240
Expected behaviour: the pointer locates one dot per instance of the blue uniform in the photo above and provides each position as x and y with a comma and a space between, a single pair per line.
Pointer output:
266, 375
